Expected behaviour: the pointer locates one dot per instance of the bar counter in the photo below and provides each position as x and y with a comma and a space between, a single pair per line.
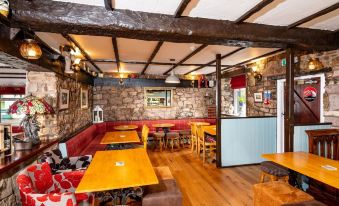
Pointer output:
20, 157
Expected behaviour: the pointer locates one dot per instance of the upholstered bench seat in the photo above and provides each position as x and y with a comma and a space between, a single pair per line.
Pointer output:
273, 169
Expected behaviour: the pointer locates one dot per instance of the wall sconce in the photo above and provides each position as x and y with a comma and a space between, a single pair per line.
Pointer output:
256, 73
121, 79
192, 80
94, 74
30, 49
76, 65
314, 63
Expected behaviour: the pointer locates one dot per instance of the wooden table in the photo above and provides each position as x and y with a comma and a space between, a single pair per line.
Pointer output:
309, 165
103, 174
126, 127
212, 130
120, 137
164, 126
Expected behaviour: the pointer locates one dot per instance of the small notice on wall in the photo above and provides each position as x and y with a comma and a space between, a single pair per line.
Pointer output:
310, 93
267, 97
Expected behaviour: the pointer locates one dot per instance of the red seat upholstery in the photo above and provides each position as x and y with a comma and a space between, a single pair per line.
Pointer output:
38, 187
87, 142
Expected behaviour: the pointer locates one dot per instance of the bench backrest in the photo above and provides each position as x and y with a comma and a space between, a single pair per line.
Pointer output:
324, 142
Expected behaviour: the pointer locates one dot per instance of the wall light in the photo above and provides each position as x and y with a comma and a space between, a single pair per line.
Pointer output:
314, 63
30, 49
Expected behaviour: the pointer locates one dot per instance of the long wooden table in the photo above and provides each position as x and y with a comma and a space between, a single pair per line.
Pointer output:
309, 165
118, 169
120, 137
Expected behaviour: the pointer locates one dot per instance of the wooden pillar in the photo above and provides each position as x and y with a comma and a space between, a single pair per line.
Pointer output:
289, 101
218, 108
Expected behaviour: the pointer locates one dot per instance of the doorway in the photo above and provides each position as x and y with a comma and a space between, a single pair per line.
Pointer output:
308, 97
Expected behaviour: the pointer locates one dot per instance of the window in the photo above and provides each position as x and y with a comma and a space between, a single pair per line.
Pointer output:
7, 100
240, 102
158, 97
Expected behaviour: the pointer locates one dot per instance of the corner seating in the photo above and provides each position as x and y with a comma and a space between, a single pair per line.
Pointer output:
87, 142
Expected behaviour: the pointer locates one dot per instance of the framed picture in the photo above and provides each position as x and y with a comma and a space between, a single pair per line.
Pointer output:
84, 98
64, 99
257, 97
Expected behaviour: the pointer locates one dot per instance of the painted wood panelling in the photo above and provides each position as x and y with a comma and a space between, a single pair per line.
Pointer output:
243, 140
301, 138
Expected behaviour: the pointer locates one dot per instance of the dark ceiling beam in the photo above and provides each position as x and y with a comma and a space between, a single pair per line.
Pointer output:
252, 11
83, 52
197, 50
108, 5
154, 53
181, 8
253, 59
116, 52
41, 15
213, 61
155, 63
236, 72
313, 16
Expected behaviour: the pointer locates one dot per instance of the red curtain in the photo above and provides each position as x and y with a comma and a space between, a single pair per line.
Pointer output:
12, 90
238, 82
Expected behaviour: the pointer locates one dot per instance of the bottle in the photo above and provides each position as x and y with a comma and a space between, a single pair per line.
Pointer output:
7, 142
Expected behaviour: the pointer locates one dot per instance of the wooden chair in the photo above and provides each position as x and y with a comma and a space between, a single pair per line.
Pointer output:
325, 143
205, 144
194, 140
144, 135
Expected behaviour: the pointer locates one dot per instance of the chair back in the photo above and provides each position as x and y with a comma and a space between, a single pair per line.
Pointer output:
324, 142
193, 130
144, 135
201, 132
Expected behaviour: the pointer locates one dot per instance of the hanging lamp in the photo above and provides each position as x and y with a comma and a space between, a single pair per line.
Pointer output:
172, 79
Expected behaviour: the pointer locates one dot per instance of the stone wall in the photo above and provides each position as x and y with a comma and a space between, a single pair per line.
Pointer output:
271, 69
47, 85
128, 103
227, 97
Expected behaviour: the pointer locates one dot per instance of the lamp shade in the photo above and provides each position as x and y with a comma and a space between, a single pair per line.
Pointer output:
29, 49
172, 79
30, 105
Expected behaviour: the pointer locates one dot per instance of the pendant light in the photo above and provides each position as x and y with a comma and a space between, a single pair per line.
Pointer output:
172, 79
30, 49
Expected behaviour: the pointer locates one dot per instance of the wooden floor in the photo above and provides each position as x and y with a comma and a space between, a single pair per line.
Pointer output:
205, 184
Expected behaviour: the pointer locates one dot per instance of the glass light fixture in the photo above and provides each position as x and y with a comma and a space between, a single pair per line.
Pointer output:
172, 79
314, 63
30, 49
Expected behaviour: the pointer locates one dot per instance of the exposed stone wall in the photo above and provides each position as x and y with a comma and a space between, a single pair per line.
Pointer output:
227, 97
128, 103
47, 85
271, 67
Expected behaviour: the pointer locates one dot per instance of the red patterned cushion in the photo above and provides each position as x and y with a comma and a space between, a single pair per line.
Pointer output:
41, 177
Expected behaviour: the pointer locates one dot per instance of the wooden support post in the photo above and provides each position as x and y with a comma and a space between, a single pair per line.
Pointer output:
218, 108
289, 101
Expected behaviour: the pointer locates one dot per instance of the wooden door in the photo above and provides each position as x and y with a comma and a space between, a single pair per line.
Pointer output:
307, 101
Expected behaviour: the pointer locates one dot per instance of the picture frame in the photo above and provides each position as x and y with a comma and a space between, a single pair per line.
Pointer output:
64, 99
83, 98
258, 97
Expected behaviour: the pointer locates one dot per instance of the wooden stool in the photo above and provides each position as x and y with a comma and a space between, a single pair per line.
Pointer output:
274, 171
172, 139
278, 193
185, 136
158, 138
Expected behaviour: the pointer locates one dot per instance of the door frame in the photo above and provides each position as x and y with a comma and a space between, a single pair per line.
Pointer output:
280, 106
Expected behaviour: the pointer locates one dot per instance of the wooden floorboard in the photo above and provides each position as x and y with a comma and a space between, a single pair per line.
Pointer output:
206, 184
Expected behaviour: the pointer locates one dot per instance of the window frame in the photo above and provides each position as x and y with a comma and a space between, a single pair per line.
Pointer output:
158, 89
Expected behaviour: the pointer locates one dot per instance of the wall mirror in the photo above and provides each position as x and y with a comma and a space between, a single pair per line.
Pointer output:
158, 97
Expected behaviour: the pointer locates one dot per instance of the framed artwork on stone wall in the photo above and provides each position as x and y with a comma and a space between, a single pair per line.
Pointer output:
258, 97
84, 98
64, 99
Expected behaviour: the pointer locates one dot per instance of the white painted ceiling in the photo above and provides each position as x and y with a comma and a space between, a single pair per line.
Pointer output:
279, 12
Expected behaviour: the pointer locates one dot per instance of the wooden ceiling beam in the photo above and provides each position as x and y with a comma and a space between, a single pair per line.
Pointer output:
254, 10
41, 15
181, 8
197, 50
116, 52
253, 59
83, 52
313, 16
154, 53
213, 61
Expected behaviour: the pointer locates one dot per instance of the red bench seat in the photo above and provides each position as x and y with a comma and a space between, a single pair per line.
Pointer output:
87, 142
